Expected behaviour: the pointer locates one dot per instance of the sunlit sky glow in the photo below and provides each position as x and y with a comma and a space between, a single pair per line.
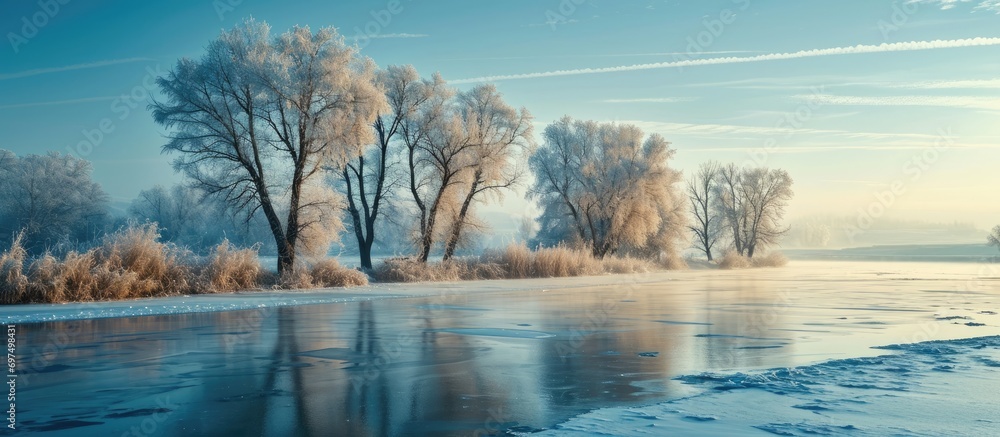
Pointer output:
849, 96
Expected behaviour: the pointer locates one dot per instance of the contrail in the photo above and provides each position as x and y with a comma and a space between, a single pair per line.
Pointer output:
58, 102
852, 50
36, 72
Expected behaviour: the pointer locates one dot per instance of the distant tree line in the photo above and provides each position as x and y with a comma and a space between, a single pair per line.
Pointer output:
186, 216
50, 200
53, 204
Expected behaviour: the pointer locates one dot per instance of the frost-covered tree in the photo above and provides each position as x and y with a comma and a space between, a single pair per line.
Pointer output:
558, 181
186, 216
729, 202
51, 199
433, 164
258, 118
701, 189
994, 238
609, 187
176, 211
369, 179
752, 202
460, 148
501, 140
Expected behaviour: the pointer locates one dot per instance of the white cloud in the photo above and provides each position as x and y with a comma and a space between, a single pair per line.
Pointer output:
852, 50
652, 100
809, 82
58, 102
39, 71
831, 147
969, 102
981, 5
726, 130
394, 35
951, 84
770, 115
600, 55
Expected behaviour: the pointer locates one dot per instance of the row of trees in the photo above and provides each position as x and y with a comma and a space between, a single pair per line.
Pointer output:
270, 124
292, 132
741, 206
266, 123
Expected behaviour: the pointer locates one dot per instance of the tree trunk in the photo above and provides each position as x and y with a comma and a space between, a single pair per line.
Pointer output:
273, 222
738, 238
371, 212
427, 239
364, 235
366, 246
456, 228
366, 256
292, 228
285, 260
363, 247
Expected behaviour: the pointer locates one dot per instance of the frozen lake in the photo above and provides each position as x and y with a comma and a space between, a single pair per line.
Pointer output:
513, 357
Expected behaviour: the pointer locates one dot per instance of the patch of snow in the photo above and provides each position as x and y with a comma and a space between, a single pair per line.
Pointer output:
947, 387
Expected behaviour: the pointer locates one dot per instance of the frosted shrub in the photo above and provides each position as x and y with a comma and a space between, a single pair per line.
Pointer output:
231, 269
13, 282
329, 273
733, 260
773, 259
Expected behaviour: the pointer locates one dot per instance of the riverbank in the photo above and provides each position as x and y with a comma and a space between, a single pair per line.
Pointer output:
249, 300
133, 263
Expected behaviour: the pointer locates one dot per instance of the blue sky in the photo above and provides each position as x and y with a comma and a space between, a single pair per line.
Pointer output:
832, 91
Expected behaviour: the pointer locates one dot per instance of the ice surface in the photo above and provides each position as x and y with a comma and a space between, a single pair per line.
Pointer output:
499, 332
932, 388
176, 305
689, 351
205, 303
